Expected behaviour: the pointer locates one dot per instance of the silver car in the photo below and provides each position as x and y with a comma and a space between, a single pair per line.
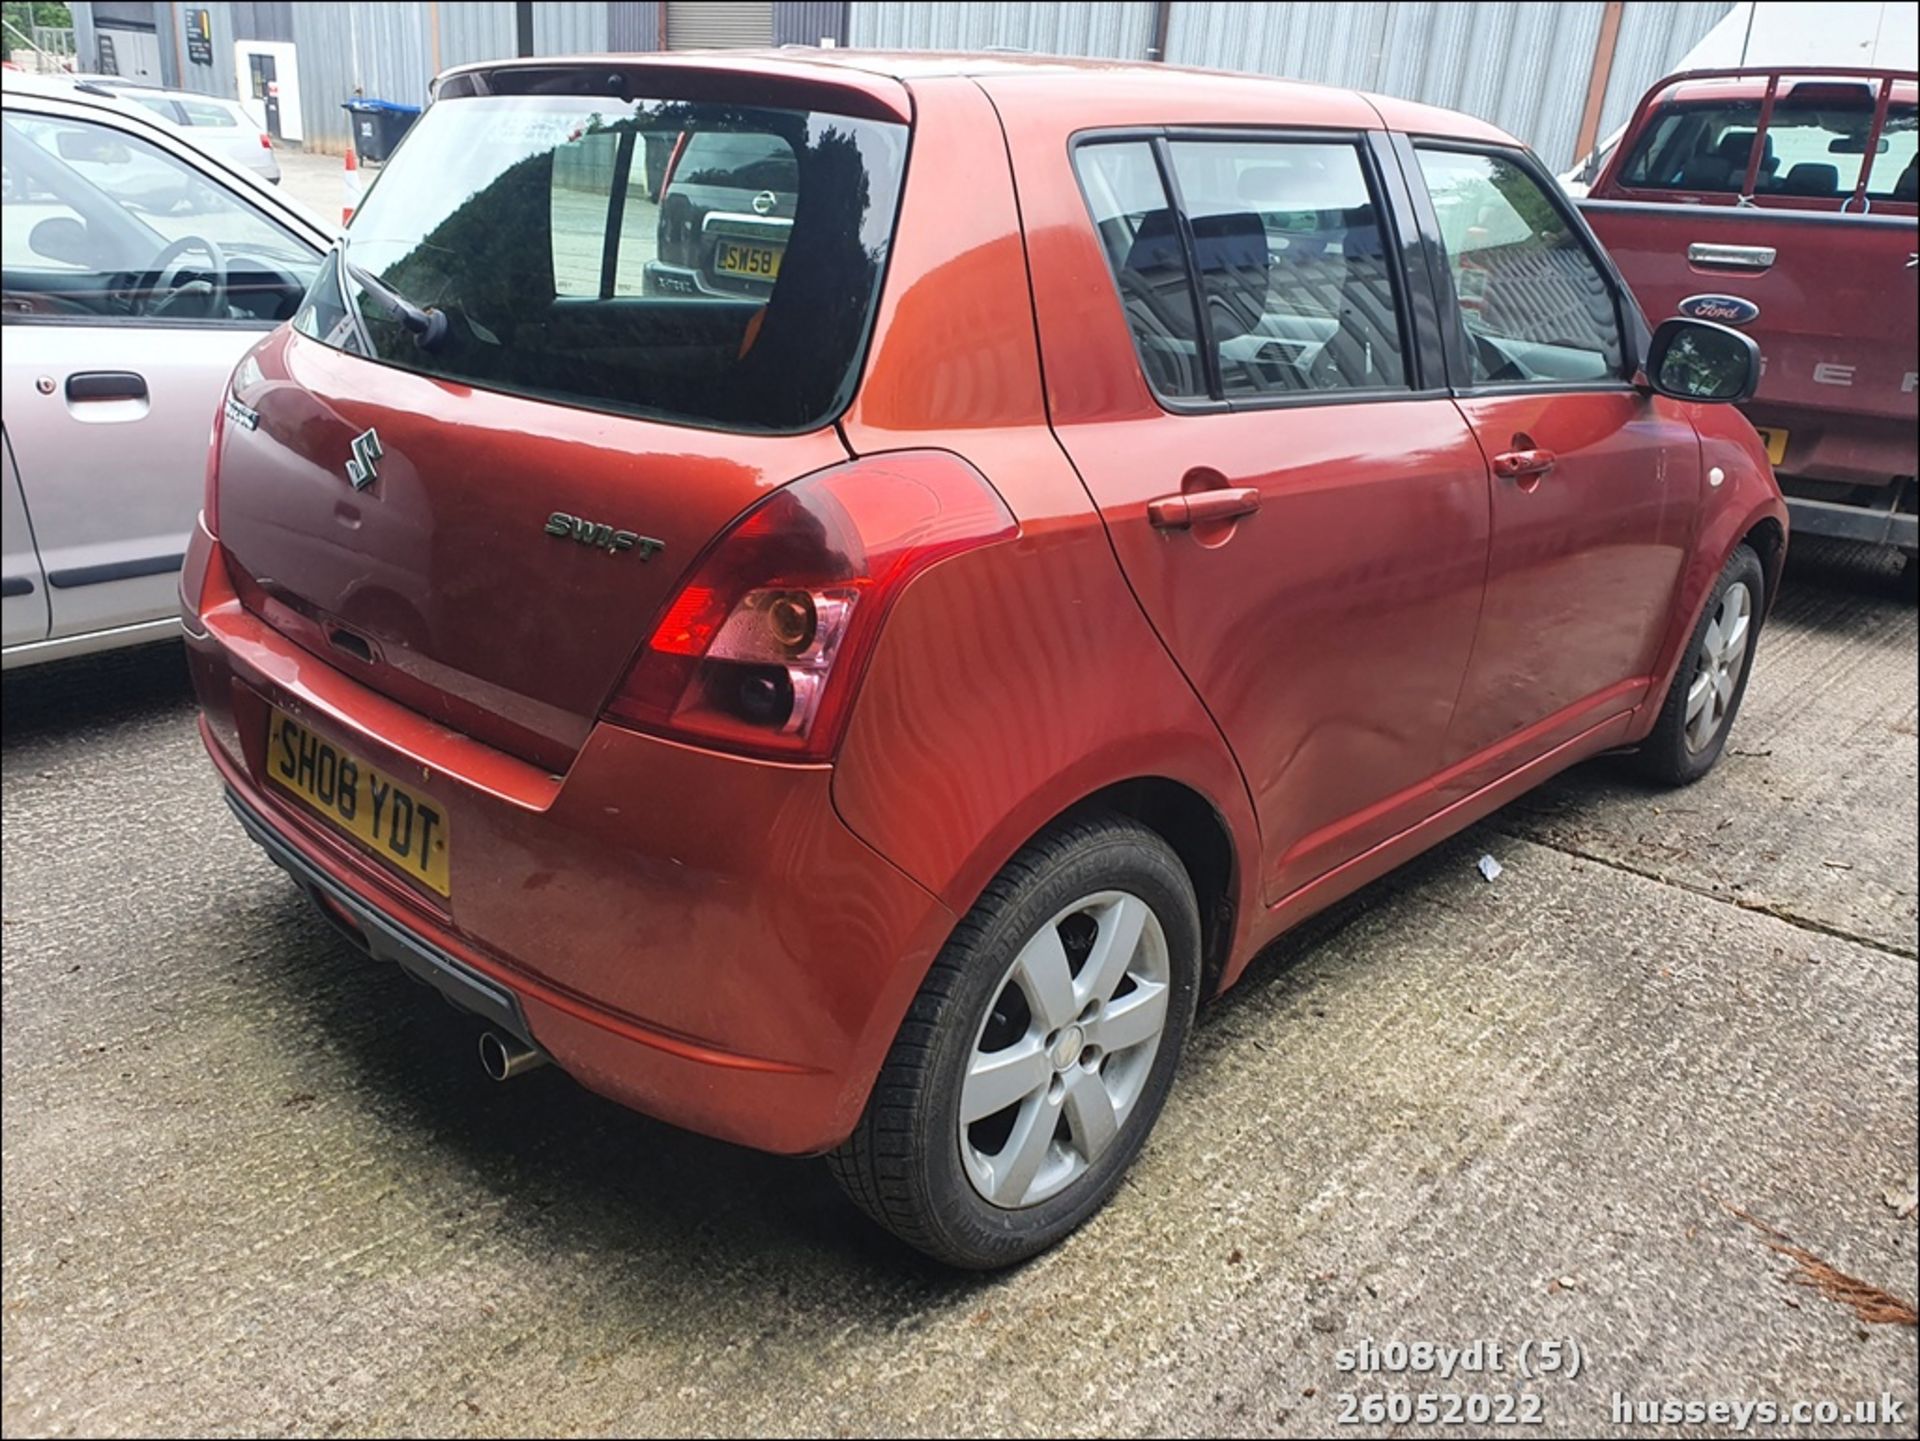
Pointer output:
218, 126
135, 271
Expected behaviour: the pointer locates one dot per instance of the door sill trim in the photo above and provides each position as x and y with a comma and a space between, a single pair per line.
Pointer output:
146, 632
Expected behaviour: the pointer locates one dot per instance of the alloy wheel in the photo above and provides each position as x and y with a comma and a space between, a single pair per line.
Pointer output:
1721, 660
1065, 1050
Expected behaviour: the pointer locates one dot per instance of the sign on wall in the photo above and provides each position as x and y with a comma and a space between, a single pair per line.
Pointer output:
200, 36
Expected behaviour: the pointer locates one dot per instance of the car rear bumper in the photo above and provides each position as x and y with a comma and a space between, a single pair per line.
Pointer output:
659, 278
696, 936
1837, 447
1875, 516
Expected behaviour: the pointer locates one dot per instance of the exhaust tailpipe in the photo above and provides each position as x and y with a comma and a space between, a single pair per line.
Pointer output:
503, 1058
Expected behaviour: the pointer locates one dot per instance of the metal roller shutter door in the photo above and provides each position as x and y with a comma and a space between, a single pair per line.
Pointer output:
719, 24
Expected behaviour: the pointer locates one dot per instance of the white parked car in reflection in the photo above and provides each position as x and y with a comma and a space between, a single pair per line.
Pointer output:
219, 127
135, 270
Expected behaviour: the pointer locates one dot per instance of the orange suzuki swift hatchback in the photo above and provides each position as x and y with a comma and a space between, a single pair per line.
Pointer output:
835, 597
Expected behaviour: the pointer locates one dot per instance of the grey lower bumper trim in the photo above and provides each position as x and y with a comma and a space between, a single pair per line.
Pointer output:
385, 939
1853, 522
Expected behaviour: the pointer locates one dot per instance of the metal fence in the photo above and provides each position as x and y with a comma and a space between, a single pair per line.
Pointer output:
1526, 67
1523, 66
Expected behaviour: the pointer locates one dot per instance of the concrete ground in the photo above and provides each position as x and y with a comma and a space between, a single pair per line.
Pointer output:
318, 181
254, 1183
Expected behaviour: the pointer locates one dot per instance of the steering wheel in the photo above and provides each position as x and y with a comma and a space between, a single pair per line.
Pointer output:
170, 291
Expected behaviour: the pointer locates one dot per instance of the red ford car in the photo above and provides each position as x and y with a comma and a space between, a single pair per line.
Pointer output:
865, 713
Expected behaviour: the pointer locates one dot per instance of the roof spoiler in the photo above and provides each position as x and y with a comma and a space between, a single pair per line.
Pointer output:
768, 78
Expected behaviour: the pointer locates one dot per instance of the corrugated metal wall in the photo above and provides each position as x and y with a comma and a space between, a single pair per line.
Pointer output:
263, 19
474, 30
1535, 89
85, 47
806, 22
385, 51
1525, 67
214, 79
1653, 38
633, 25
1122, 29
575, 27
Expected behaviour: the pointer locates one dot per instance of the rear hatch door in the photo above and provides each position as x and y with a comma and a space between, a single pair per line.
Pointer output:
500, 564
484, 521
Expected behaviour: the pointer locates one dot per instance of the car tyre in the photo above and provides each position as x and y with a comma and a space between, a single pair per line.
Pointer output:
1010, 1181
1711, 680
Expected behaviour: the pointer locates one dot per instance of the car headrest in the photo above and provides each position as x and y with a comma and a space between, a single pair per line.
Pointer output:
1907, 187
1737, 146
1156, 245
1812, 177
1709, 172
1229, 251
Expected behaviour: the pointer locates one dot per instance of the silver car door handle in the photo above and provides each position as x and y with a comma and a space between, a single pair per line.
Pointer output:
1732, 257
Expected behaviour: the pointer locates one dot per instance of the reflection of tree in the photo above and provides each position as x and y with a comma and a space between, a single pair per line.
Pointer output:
820, 308
1527, 200
1703, 363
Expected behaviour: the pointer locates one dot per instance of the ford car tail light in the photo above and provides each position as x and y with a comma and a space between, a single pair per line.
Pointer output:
762, 647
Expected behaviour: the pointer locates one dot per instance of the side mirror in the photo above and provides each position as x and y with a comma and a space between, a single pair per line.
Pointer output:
1700, 361
64, 239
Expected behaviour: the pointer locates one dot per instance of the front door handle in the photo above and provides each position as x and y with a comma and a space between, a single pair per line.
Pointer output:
1522, 464
1177, 512
106, 385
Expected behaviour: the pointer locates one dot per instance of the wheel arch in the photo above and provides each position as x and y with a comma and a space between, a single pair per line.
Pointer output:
1198, 834
1768, 538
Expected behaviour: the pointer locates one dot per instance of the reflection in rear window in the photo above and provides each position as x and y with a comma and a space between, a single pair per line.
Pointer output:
711, 264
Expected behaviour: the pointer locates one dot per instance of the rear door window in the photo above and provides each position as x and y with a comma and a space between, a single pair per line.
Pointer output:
1140, 234
1280, 244
1533, 303
708, 263
1293, 266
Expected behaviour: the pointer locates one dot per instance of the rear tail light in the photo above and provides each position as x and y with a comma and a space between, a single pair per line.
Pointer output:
266, 141
763, 646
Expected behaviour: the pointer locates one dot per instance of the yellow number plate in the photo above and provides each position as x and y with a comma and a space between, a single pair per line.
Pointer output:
1776, 444
760, 262
405, 830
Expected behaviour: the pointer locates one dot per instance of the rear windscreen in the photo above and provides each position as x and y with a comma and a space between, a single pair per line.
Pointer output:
1812, 148
705, 263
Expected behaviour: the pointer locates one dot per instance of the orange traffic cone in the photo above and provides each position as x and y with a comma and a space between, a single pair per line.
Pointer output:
350, 199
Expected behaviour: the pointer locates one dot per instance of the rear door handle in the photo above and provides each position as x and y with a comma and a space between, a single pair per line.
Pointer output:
1519, 464
1177, 512
106, 385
